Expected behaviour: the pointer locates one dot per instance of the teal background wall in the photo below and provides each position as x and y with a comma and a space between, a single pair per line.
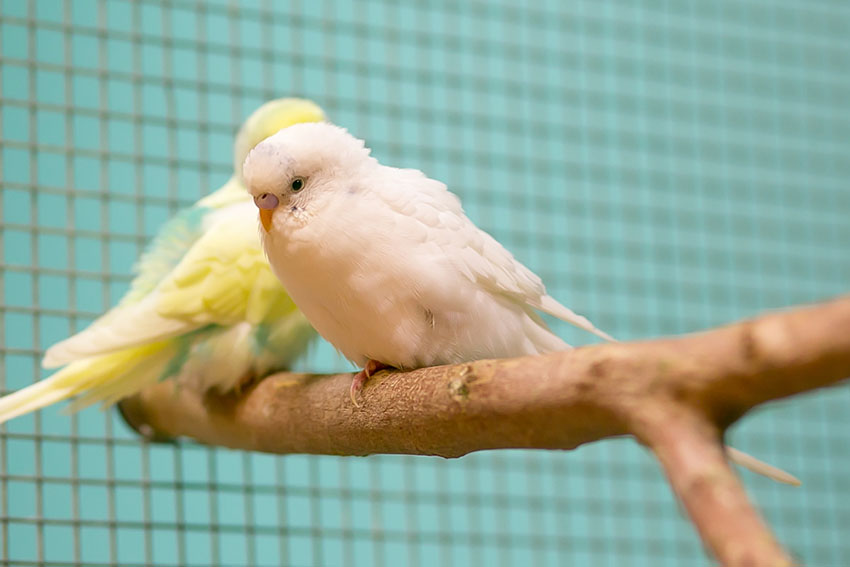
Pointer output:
664, 166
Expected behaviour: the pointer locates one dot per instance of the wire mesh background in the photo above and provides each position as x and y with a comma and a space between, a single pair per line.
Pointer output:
664, 166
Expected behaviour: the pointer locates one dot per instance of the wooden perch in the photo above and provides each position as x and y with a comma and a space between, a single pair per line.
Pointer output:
677, 396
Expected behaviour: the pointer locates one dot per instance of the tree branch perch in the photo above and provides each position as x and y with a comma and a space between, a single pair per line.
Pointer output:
676, 395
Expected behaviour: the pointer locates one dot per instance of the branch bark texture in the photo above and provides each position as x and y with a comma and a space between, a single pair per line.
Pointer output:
676, 395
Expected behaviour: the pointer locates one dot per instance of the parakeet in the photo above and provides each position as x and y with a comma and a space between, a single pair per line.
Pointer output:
204, 307
385, 263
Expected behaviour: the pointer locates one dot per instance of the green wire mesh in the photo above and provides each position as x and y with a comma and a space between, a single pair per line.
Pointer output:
664, 166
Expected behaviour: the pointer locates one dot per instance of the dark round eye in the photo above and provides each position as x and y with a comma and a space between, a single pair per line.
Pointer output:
266, 201
297, 184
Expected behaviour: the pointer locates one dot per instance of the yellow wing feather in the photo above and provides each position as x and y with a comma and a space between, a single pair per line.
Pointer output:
225, 278
220, 299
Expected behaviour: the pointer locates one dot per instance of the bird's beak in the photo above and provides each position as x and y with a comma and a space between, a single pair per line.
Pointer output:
266, 218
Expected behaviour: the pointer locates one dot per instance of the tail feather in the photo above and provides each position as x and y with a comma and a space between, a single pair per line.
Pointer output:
139, 324
104, 378
760, 467
146, 366
32, 398
549, 305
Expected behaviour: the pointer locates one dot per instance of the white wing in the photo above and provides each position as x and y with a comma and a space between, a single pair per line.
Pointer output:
473, 252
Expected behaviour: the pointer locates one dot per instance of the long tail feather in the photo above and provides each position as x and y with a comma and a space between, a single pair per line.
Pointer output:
100, 378
760, 467
549, 305
143, 370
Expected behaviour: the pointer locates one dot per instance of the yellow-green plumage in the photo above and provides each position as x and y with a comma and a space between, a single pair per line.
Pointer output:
204, 307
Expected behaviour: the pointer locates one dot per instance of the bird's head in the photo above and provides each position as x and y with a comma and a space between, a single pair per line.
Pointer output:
302, 167
268, 119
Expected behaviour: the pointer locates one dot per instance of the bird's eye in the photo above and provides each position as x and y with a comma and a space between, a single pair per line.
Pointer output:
266, 201
297, 184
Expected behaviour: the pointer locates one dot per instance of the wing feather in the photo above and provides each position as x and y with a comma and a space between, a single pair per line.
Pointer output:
473, 252
222, 279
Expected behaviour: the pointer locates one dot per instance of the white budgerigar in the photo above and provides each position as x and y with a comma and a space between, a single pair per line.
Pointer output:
204, 308
384, 262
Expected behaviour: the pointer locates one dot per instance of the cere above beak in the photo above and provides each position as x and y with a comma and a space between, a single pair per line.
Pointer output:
267, 203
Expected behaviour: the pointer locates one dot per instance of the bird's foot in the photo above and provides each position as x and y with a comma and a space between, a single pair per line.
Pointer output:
361, 377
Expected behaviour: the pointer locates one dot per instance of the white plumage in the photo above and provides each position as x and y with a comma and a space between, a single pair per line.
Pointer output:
388, 268
384, 262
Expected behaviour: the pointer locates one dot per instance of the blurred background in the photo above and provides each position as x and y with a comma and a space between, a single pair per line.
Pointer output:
664, 166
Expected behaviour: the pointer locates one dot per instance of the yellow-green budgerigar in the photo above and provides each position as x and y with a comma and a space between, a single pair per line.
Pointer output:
204, 307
